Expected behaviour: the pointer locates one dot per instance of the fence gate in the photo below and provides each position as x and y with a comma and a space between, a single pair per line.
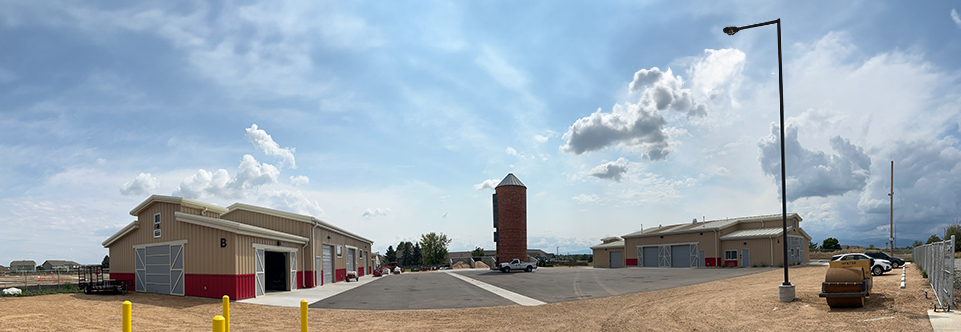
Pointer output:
937, 259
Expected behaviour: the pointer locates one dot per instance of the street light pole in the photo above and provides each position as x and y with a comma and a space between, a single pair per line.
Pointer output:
785, 290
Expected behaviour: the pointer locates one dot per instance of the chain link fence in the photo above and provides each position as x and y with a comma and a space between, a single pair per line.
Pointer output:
937, 260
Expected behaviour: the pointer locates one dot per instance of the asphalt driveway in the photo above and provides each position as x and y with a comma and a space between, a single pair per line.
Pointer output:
485, 288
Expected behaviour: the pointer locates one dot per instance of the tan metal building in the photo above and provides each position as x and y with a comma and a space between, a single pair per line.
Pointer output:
185, 247
745, 241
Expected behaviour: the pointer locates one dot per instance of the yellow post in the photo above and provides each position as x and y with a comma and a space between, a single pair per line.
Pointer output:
218, 323
226, 313
126, 316
303, 315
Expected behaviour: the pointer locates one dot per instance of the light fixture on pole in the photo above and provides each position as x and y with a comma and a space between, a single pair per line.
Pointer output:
785, 290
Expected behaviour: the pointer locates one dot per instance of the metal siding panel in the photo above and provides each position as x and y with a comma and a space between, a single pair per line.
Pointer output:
154, 269
157, 250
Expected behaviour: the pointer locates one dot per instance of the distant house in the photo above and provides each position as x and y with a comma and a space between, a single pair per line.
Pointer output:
23, 266
52, 265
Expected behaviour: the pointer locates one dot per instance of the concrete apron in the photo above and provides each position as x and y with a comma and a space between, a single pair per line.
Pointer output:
945, 321
292, 298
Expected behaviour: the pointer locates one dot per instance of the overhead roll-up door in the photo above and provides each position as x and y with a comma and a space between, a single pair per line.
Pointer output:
650, 256
681, 255
160, 269
616, 259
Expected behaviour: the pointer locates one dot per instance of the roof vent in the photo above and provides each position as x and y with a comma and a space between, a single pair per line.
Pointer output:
694, 221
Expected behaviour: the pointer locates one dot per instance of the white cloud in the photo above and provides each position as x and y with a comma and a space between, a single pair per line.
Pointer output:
378, 212
613, 170
446, 213
512, 152
101, 161
546, 136
814, 173
293, 201
582, 198
488, 184
250, 175
505, 74
143, 184
261, 140
955, 17
299, 180
640, 127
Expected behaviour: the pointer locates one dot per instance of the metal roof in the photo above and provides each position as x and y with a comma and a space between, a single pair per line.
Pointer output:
752, 233
511, 180
707, 226
611, 245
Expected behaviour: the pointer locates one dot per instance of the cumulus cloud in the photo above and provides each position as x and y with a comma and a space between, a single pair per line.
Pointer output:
814, 173
512, 152
488, 184
546, 136
261, 140
955, 17
613, 170
250, 175
376, 212
299, 180
640, 126
632, 126
293, 201
143, 184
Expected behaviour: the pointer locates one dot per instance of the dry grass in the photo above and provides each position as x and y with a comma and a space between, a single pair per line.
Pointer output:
737, 304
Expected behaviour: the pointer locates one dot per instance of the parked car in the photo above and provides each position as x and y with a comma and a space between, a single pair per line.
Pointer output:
517, 265
878, 266
895, 262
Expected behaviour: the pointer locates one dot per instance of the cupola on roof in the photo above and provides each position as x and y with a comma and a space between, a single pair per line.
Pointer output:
511, 180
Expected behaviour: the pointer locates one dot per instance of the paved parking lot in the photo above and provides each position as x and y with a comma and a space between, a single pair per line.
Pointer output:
485, 288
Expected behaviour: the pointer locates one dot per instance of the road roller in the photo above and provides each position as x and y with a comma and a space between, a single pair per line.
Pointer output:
847, 283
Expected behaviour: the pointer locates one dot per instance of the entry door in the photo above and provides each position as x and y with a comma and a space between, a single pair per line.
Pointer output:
745, 257
700, 258
615, 259
328, 265
350, 260
293, 270
259, 279
318, 270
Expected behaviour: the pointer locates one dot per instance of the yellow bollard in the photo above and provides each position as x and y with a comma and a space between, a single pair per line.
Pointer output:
218, 323
226, 313
303, 315
126, 316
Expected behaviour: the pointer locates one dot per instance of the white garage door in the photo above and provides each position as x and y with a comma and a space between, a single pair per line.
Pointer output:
160, 269
615, 259
328, 265
350, 260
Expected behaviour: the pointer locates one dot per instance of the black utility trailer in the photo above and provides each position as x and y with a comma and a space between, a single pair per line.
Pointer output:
91, 281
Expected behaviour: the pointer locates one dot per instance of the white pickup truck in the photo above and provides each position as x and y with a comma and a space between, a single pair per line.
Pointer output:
517, 265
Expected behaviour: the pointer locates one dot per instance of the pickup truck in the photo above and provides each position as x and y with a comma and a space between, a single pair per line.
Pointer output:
516, 264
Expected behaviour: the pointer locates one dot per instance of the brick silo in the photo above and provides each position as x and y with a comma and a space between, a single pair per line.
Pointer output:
510, 219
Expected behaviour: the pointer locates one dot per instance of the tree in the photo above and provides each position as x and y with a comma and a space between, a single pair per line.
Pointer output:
954, 229
391, 255
933, 239
434, 248
417, 257
812, 246
916, 244
870, 246
478, 252
406, 251
105, 262
831, 244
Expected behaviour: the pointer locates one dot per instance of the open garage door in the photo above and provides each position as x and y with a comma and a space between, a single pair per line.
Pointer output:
328, 265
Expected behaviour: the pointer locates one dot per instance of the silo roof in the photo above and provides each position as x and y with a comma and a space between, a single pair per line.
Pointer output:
511, 180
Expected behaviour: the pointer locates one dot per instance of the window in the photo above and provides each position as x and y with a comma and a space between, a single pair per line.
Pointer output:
730, 255
156, 233
156, 222
340, 251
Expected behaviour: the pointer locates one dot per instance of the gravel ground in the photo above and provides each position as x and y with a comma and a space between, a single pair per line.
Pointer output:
743, 303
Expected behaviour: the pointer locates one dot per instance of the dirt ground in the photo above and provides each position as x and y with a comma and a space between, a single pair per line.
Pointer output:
744, 303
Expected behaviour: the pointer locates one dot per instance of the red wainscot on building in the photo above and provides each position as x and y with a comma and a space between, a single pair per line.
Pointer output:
744, 242
180, 246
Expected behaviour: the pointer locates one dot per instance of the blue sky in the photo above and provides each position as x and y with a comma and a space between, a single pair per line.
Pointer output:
392, 121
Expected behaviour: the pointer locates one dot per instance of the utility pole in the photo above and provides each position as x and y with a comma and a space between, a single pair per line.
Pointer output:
892, 208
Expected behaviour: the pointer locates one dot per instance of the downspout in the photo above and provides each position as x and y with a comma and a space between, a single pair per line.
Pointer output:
303, 258
716, 248
772, 250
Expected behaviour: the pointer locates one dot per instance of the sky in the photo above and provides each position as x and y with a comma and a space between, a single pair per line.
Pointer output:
393, 120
